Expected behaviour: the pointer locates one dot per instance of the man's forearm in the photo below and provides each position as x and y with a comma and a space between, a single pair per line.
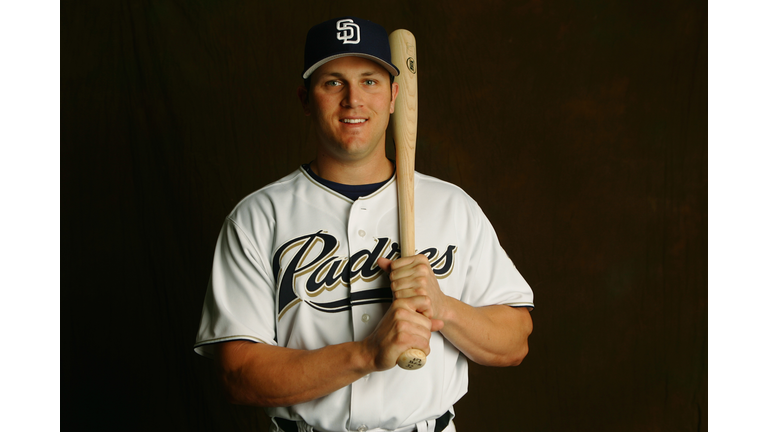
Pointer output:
490, 335
271, 376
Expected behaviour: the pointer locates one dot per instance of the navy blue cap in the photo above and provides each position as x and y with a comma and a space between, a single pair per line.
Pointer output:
347, 36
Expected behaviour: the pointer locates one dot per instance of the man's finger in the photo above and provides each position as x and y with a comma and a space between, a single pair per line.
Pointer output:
384, 264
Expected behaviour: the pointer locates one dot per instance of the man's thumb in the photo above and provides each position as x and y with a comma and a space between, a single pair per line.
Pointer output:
385, 264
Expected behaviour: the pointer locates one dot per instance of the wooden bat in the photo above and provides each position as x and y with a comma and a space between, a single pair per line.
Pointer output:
404, 121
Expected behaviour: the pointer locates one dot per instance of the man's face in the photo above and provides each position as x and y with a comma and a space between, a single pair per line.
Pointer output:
350, 100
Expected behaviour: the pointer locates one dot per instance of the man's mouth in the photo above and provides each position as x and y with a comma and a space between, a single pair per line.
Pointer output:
353, 121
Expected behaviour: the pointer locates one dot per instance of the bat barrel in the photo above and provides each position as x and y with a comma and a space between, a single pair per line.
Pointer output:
404, 123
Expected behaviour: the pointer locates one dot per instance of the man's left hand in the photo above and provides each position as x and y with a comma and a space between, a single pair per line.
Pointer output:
413, 277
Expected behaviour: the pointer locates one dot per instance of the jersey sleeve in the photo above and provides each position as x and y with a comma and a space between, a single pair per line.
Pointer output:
240, 302
492, 277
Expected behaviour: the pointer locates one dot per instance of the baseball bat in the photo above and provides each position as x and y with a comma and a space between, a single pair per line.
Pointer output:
404, 120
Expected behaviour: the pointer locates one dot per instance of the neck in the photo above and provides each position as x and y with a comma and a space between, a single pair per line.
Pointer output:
353, 173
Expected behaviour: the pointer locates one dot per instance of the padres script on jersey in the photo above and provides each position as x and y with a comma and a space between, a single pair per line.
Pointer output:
295, 266
315, 255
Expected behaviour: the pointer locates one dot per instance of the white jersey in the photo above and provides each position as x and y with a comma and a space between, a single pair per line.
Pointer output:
295, 266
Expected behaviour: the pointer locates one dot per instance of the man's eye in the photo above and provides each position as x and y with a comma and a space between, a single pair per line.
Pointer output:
370, 82
333, 83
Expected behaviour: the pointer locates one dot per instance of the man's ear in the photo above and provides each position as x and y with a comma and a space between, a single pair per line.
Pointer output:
395, 91
303, 98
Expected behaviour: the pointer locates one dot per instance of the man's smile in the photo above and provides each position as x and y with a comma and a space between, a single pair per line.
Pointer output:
353, 121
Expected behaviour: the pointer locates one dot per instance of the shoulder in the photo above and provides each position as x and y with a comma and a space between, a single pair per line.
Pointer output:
436, 184
264, 200
433, 189
436, 198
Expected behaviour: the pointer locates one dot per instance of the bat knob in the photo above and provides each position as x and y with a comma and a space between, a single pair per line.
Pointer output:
412, 359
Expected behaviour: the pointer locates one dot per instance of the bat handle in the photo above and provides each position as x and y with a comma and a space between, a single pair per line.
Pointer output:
412, 359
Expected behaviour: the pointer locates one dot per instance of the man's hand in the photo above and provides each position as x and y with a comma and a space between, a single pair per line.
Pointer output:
409, 322
401, 328
412, 278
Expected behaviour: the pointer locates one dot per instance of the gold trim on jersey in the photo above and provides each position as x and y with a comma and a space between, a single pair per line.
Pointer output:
324, 187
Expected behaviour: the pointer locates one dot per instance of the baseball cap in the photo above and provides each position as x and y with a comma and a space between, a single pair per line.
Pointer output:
347, 36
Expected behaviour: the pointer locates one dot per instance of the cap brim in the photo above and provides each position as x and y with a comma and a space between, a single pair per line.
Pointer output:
390, 68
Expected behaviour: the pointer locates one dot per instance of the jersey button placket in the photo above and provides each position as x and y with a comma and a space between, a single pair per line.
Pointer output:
365, 395
356, 237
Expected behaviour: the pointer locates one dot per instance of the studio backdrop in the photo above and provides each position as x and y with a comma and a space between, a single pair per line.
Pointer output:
579, 127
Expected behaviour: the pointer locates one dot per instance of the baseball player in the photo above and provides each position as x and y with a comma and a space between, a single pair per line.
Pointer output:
309, 303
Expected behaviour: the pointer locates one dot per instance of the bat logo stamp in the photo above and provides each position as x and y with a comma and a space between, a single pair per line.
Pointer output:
411, 64
349, 32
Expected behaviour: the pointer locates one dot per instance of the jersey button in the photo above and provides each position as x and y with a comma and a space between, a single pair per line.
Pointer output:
365, 318
362, 428
361, 233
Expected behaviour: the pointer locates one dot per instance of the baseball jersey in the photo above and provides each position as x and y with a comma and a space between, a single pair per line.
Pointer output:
295, 266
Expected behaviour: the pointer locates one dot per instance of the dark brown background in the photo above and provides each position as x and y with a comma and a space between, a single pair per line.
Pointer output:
579, 127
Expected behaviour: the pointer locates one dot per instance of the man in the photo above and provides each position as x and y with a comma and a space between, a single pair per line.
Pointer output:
309, 306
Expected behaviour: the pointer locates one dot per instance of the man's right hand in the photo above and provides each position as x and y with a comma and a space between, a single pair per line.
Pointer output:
401, 328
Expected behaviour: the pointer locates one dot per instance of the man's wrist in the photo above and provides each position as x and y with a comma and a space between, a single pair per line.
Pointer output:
450, 310
362, 358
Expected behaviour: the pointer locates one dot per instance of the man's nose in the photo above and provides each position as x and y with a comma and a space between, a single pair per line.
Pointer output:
353, 97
